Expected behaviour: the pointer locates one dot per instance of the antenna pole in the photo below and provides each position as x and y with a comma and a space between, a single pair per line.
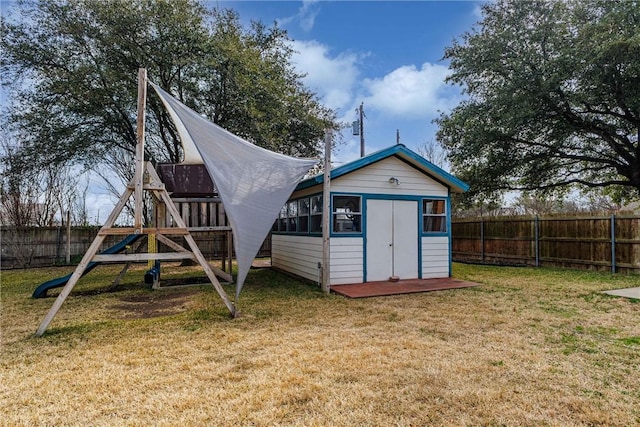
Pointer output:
361, 111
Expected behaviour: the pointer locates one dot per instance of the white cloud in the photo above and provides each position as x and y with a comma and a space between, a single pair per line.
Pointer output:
411, 92
306, 15
332, 78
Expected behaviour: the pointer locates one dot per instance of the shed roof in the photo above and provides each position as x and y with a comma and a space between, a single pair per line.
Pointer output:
403, 153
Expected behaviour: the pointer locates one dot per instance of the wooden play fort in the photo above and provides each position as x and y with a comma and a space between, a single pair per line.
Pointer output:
226, 185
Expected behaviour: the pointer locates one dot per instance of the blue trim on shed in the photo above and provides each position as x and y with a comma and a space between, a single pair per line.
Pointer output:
450, 233
399, 151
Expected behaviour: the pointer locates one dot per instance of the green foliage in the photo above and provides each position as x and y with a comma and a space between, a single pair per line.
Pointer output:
553, 97
72, 65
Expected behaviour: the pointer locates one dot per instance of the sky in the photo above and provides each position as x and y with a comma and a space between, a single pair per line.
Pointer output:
385, 55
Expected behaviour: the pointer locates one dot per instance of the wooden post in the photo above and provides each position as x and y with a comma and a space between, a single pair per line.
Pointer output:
326, 214
70, 284
68, 254
537, 240
481, 239
613, 243
139, 171
230, 251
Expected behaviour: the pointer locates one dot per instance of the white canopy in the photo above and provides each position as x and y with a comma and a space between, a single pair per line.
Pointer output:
253, 183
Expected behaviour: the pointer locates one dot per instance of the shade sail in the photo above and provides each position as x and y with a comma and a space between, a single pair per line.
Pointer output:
253, 183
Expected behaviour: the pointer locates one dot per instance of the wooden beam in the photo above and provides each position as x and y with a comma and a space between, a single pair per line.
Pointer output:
70, 284
176, 247
223, 274
210, 228
117, 231
170, 243
197, 199
139, 169
141, 257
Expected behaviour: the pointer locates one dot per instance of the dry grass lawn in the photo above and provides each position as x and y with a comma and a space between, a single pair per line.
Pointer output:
528, 347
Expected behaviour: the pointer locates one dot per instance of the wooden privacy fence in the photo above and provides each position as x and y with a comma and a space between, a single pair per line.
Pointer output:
590, 242
25, 247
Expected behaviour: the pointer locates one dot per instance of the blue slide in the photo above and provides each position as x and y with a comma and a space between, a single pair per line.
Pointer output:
41, 291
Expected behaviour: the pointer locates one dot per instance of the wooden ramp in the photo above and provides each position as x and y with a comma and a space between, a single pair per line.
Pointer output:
384, 288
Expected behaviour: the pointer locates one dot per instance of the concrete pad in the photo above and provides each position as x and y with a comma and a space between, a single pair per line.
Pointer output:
627, 293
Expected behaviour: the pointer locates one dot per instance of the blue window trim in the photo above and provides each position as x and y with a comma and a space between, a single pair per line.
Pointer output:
362, 217
447, 206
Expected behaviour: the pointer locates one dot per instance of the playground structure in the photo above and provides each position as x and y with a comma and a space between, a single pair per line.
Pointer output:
252, 183
147, 180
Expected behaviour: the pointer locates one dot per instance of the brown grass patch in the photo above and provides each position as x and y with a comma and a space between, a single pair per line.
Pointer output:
155, 304
528, 347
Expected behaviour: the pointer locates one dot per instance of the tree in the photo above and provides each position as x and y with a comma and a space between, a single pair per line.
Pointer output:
72, 65
553, 97
433, 152
34, 197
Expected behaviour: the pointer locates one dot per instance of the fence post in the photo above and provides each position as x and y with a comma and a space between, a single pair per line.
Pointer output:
537, 239
613, 243
481, 239
67, 257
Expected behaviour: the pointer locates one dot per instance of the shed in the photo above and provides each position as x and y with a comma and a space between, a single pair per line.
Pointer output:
390, 217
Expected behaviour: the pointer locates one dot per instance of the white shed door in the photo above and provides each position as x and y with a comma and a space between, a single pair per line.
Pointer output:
392, 239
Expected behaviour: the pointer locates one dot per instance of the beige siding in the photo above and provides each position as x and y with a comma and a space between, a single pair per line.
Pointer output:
375, 179
435, 257
300, 255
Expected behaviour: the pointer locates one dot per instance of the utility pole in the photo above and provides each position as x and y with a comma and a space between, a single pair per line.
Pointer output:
326, 214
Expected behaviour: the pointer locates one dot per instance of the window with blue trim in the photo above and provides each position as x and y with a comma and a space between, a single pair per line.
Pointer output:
300, 216
434, 216
347, 214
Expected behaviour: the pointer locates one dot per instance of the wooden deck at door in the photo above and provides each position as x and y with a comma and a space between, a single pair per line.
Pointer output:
384, 288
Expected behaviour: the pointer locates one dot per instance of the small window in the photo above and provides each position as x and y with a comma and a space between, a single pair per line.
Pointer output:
346, 214
315, 219
292, 217
434, 216
303, 215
